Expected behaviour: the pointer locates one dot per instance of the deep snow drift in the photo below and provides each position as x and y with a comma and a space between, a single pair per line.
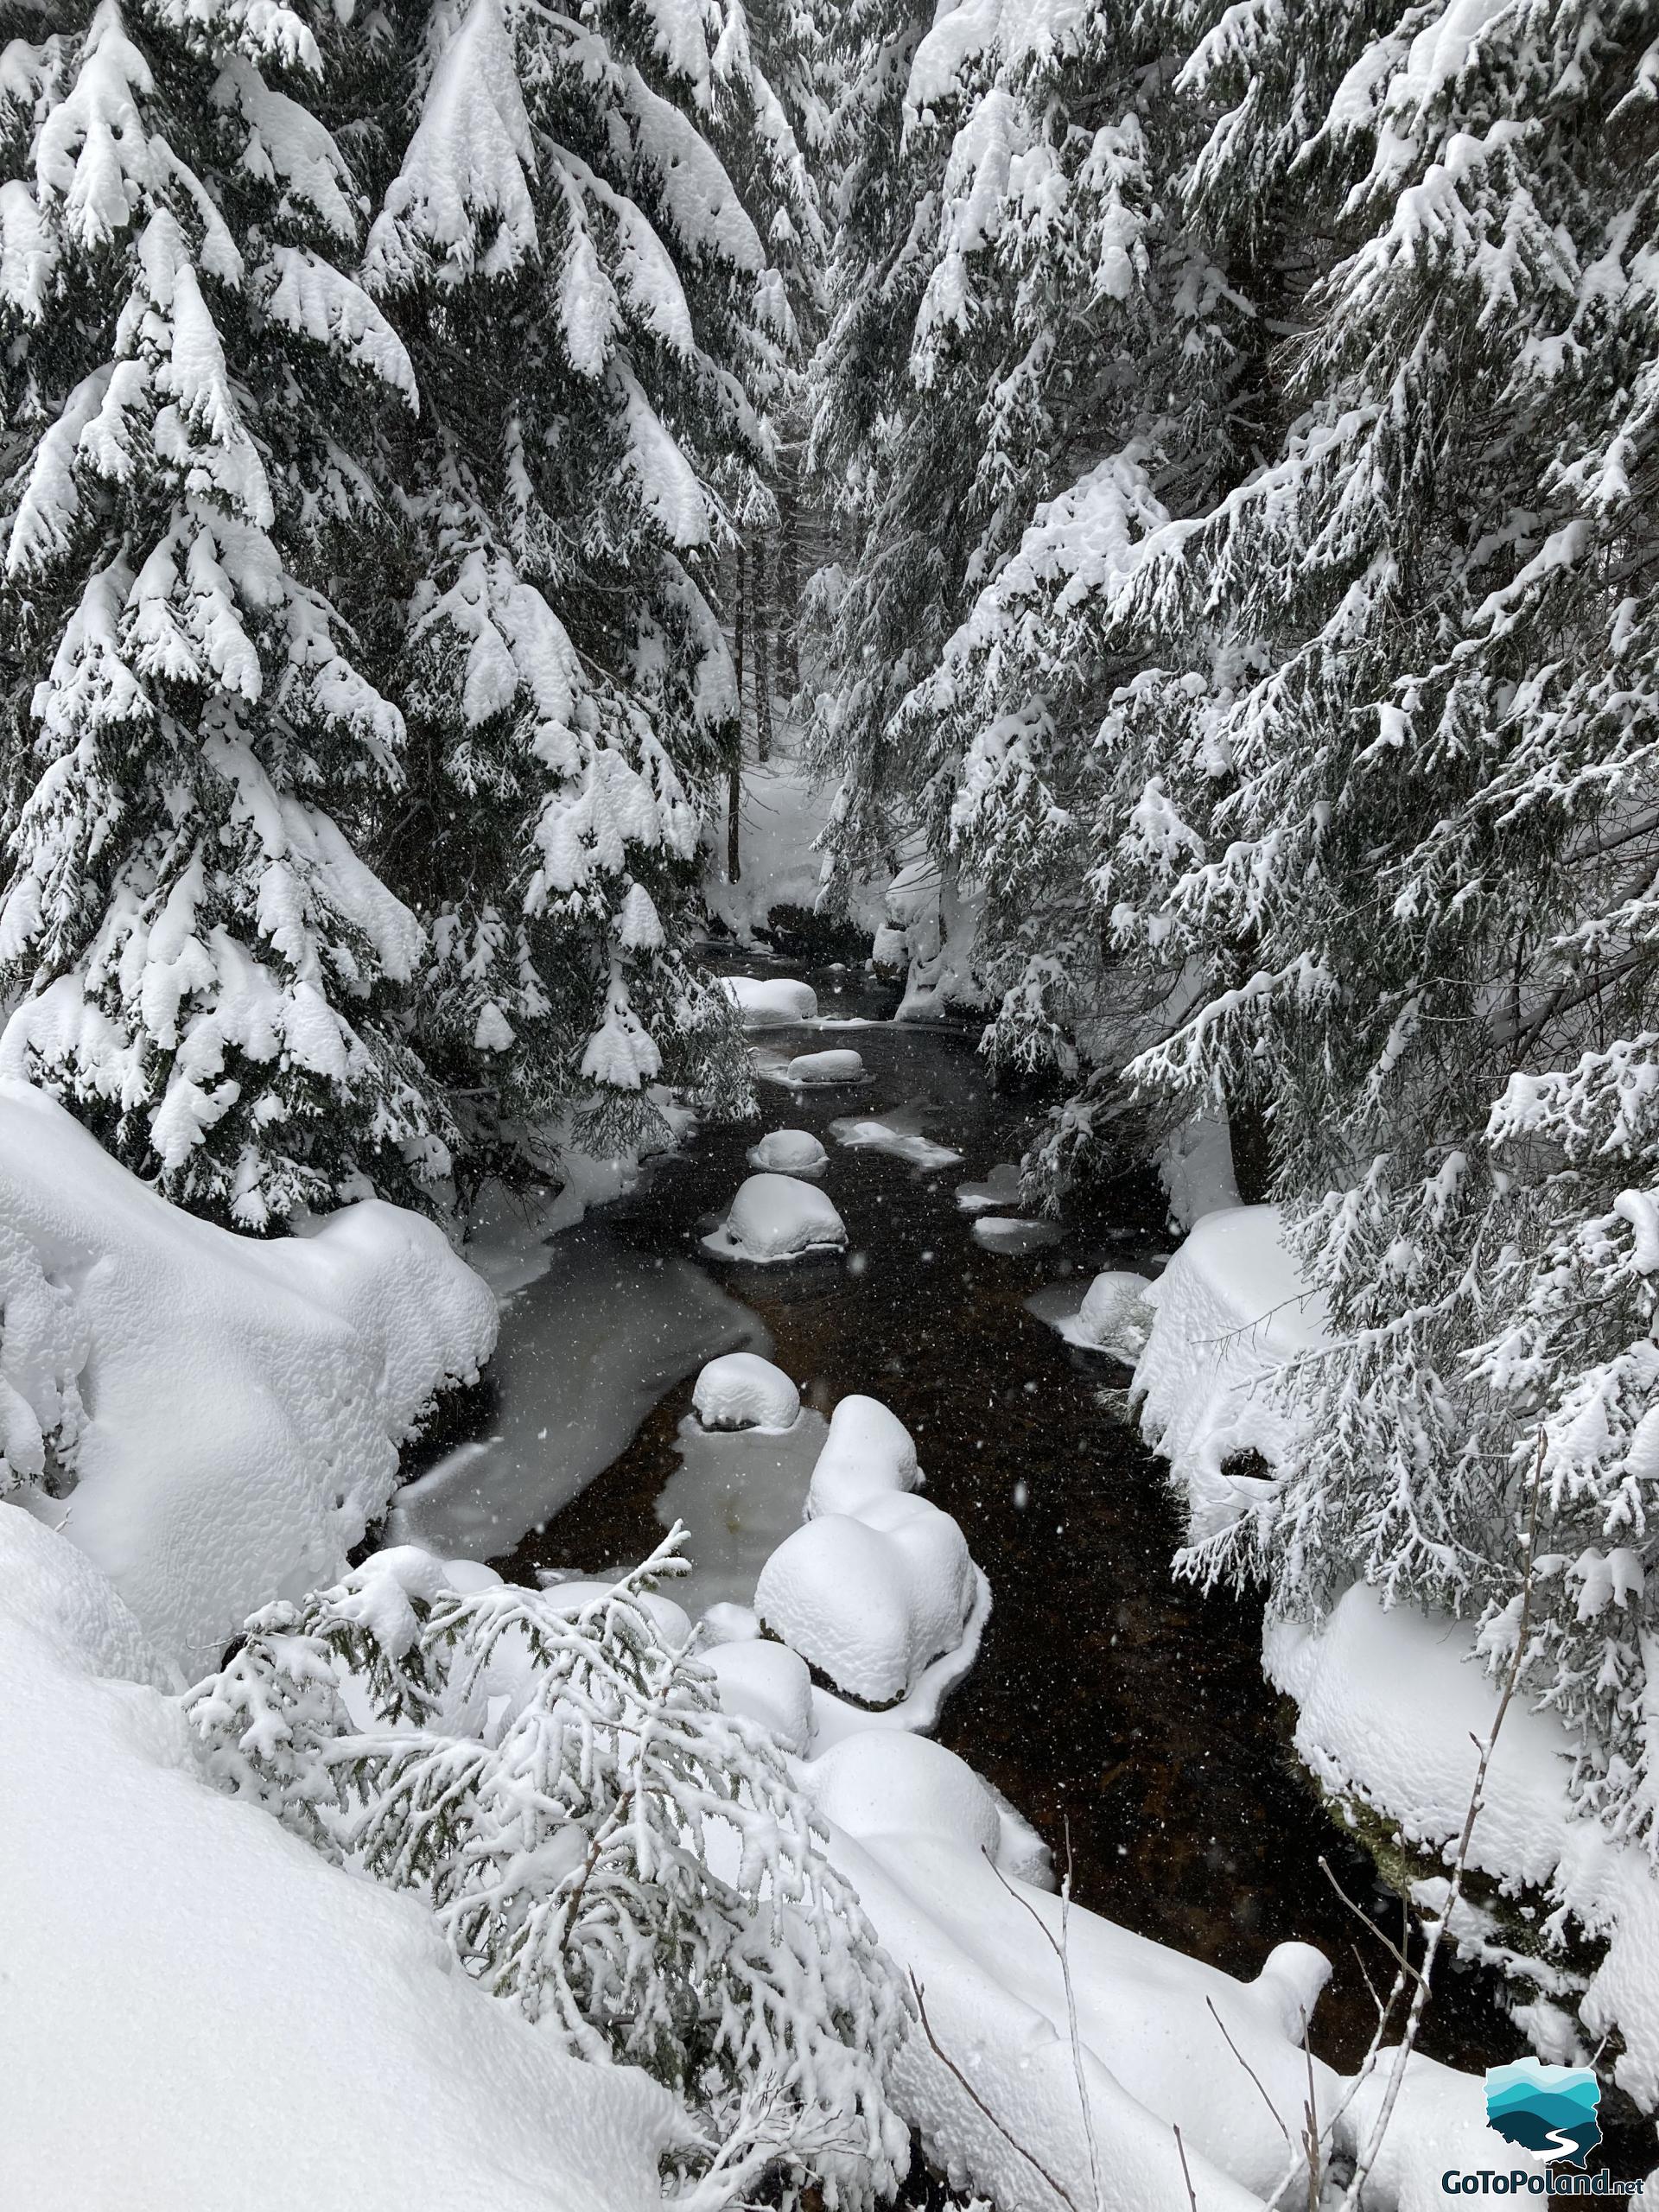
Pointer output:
920, 1836
218, 1416
201, 2015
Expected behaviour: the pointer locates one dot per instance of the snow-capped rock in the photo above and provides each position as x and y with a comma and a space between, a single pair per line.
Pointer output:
771, 1001
789, 1152
777, 1217
868, 1451
869, 1601
885, 1782
742, 1390
811, 1069
1115, 1315
768, 1682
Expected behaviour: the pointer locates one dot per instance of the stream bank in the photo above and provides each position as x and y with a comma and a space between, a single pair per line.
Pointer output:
1120, 1711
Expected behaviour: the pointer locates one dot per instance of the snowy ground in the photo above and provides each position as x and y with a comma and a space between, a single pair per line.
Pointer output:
781, 815
201, 2016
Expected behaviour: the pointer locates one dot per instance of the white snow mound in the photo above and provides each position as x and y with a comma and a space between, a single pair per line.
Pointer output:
742, 1390
771, 1003
868, 1451
885, 1782
919, 1835
221, 2006
217, 1417
789, 1152
769, 1683
841, 1065
1114, 1316
1228, 1311
777, 1217
870, 1601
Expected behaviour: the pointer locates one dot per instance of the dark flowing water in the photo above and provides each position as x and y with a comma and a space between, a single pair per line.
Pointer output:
1117, 1708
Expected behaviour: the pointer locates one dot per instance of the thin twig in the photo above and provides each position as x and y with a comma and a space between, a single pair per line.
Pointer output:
1186, 2175
1250, 2069
1062, 1952
1388, 1943
951, 2066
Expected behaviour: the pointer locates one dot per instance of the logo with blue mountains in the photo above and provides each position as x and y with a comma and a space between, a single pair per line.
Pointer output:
1548, 2110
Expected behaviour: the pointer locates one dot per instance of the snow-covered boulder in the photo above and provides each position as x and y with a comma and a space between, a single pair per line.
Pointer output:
1114, 1316
869, 1601
886, 1783
198, 2008
771, 1001
742, 1390
768, 1682
215, 1419
1229, 1311
868, 1451
789, 1152
777, 1217
813, 1070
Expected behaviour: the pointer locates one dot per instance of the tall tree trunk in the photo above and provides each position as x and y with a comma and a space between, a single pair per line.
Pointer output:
788, 573
735, 782
761, 650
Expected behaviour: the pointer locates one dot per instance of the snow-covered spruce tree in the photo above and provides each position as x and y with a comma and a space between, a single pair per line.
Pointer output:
1045, 329
597, 330
194, 753
1379, 778
1110, 286
601, 1844
883, 611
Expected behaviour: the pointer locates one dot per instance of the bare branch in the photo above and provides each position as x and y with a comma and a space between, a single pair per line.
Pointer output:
952, 2068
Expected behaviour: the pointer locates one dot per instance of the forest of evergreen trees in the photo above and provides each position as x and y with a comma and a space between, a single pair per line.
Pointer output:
1236, 426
